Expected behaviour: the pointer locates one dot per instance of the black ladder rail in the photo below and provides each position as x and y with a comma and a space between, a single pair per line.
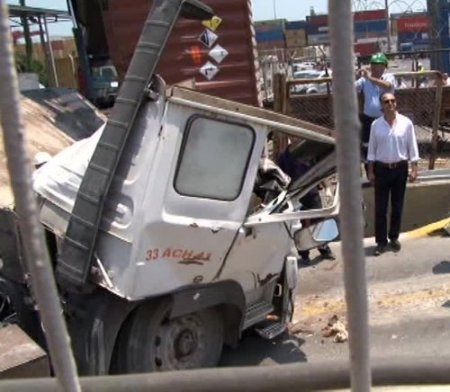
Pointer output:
75, 261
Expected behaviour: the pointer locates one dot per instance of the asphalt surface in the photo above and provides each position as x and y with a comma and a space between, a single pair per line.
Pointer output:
409, 301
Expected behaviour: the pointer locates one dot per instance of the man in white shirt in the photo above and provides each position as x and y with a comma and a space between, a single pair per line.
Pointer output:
392, 144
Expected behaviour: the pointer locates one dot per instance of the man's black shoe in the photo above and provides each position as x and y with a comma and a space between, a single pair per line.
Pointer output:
305, 260
327, 254
381, 248
396, 245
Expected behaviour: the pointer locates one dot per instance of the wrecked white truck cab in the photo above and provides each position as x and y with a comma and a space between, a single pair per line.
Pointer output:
179, 236
177, 211
167, 235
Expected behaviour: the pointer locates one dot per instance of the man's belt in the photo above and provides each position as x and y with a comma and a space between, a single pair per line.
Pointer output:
392, 165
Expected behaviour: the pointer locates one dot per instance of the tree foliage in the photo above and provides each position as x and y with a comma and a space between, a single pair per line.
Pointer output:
35, 67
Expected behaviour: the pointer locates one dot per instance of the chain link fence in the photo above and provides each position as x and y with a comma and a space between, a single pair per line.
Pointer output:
420, 95
311, 99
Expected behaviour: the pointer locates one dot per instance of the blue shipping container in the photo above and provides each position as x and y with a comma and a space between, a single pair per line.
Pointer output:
318, 39
266, 28
370, 34
443, 58
369, 26
443, 23
266, 36
412, 37
296, 25
317, 29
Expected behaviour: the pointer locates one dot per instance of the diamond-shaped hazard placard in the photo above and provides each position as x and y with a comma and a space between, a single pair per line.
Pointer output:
218, 53
209, 70
208, 38
213, 23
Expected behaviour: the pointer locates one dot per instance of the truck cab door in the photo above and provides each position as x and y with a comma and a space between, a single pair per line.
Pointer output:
209, 184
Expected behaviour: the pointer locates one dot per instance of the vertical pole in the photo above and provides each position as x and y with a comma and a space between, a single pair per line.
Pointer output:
36, 256
52, 57
27, 38
345, 108
279, 106
434, 33
48, 63
388, 24
436, 121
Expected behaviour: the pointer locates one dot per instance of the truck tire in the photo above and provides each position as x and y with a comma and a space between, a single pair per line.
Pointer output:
150, 341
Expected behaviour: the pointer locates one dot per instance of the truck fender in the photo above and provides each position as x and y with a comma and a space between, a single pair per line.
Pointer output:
100, 316
94, 327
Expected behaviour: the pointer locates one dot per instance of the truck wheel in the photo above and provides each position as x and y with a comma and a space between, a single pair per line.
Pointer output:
153, 342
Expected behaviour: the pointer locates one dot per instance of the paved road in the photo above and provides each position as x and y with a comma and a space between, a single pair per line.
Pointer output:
409, 299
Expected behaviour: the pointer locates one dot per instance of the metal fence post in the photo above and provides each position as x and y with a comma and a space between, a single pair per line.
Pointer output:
436, 121
348, 153
280, 98
38, 264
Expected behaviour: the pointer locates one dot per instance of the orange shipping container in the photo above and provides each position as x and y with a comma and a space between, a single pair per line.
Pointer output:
185, 54
295, 34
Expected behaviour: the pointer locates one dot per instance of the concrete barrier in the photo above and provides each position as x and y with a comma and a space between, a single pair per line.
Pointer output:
427, 201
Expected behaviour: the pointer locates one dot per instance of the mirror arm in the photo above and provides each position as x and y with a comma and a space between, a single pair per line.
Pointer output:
331, 211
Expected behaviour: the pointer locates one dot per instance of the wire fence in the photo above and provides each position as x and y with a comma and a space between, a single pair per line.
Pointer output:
311, 99
421, 96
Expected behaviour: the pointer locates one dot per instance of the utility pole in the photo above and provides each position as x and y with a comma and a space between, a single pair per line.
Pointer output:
433, 15
388, 24
274, 9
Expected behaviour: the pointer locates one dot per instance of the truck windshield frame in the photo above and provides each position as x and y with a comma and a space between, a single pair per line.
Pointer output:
195, 175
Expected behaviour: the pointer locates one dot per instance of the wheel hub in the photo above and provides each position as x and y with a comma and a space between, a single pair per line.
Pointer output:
181, 343
185, 344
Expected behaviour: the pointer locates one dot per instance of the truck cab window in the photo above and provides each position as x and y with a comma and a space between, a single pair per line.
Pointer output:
214, 158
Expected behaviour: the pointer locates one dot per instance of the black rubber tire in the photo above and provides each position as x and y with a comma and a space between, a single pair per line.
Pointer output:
148, 340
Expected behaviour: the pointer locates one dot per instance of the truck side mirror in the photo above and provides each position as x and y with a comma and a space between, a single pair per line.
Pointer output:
325, 231
316, 234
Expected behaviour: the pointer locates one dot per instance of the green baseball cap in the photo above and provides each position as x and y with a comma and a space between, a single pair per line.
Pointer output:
379, 58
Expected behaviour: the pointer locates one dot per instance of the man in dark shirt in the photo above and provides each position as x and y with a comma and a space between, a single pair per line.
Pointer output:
294, 167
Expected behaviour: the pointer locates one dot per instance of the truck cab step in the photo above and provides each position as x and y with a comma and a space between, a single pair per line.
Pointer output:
271, 330
257, 312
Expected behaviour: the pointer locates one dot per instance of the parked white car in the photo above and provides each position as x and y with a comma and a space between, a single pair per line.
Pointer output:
311, 87
303, 66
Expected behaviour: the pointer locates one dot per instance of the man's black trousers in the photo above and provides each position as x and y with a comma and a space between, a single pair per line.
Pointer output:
389, 182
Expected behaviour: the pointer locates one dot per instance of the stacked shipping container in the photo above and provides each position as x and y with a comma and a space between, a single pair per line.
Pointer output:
370, 26
413, 29
270, 35
317, 30
366, 48
296, 34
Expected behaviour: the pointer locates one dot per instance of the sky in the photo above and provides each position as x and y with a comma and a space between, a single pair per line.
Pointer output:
262, 9
287, 9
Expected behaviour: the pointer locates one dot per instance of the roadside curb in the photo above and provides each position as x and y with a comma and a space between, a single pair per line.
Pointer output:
426, 230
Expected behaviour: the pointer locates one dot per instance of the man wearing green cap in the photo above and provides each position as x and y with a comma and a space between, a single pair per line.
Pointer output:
373, 83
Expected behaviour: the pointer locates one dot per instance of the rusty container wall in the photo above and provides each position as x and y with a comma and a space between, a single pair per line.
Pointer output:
185, 54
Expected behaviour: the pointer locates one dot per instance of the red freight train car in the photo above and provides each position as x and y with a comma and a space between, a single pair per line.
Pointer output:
226, 55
